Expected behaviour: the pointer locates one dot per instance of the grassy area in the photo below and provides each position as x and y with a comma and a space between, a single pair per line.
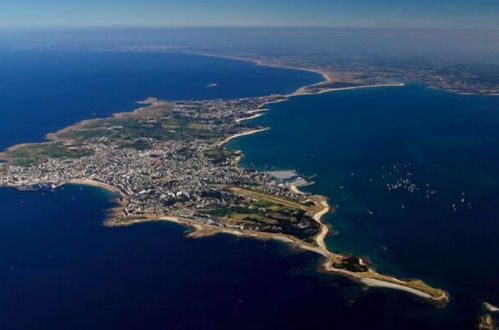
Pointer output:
267, 213
271, 199
30, 154
133, 127
138, 130
218, 155
228, 211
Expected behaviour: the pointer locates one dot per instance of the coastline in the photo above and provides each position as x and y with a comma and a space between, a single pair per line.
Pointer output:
383, 284
370, 278
303, 92
249, 118
265, 62
327, 75
491, 308
93, 183
235, 136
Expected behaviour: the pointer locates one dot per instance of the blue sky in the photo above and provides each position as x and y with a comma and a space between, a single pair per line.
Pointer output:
378, 13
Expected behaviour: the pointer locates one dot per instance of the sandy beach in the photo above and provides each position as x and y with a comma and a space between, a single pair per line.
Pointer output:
99, 184
232, 137
249, 118
250, 112
324, 228
383, 284
491, 308
303, 91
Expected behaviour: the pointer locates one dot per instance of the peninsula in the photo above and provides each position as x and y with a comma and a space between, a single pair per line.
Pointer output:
167, 161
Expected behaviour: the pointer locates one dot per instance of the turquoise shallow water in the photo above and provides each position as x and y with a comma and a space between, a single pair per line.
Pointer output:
60, 269
414, 172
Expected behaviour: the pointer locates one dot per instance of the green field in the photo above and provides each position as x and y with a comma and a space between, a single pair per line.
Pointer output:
267, 213
30, 154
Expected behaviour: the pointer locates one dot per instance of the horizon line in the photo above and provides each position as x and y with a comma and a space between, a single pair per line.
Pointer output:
277, 27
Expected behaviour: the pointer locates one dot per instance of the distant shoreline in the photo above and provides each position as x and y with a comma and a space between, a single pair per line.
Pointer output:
262, 62
327, 75
340, 89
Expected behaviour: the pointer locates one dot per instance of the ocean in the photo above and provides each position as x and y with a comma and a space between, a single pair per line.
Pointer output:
42, 91
414, 172
61, 269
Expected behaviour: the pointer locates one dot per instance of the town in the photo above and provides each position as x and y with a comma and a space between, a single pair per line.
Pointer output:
168, 159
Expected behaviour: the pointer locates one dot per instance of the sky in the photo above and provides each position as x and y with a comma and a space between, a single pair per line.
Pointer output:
481, 14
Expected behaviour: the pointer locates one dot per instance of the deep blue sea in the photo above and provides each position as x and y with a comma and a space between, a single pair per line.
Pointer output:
61, 269
42, 91
414, 173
